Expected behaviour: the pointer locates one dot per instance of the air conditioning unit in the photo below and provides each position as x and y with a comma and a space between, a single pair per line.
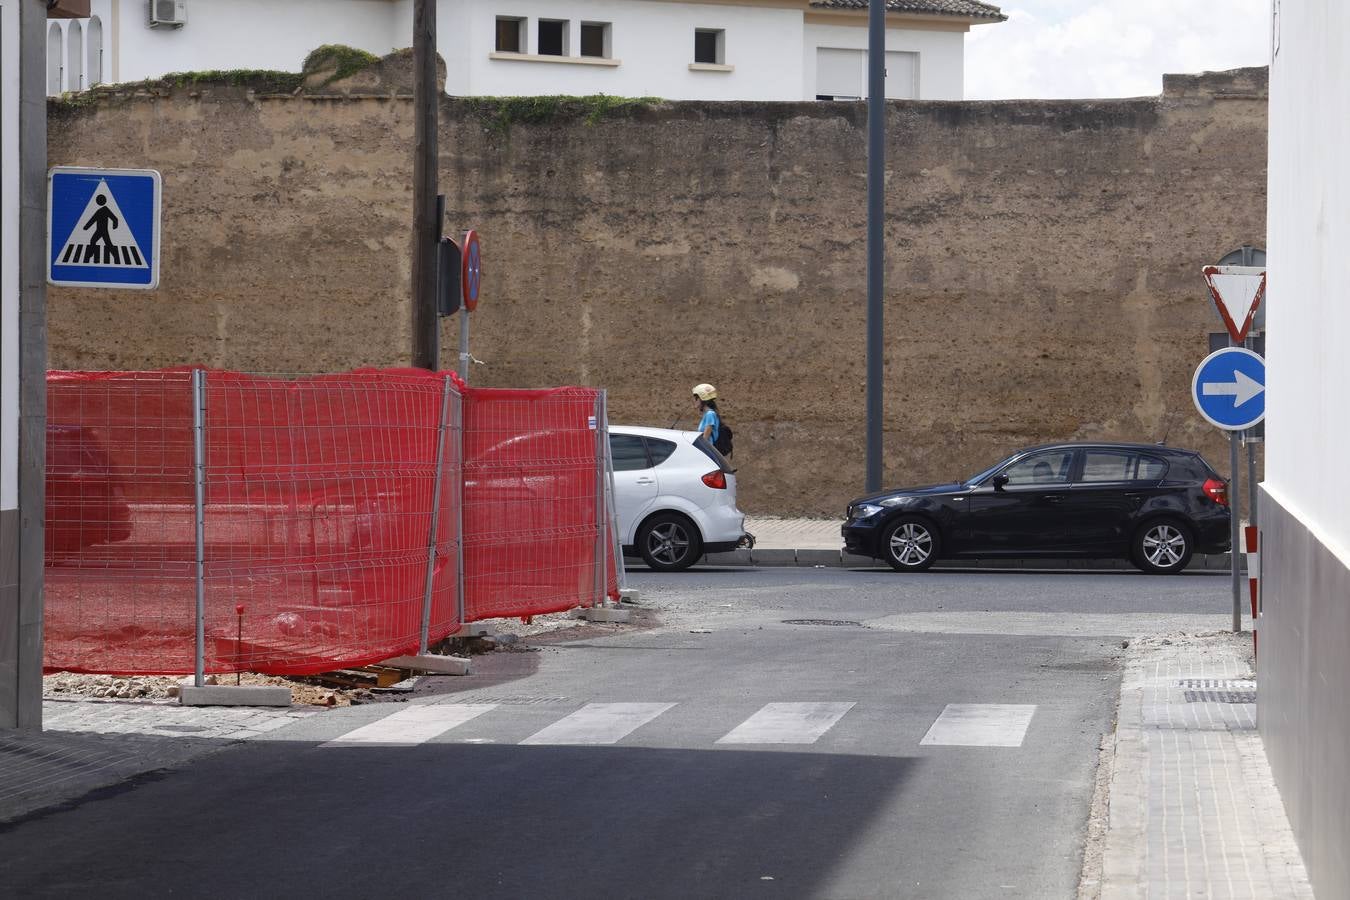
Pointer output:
168, 13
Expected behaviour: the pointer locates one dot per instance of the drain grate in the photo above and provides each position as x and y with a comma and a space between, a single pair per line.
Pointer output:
821, 622
1218, 684
509, 701
1220, 696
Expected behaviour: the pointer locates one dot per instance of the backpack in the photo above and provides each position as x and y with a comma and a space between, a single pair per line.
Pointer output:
724, 438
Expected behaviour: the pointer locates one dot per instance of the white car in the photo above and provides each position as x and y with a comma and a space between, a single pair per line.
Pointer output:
675, 496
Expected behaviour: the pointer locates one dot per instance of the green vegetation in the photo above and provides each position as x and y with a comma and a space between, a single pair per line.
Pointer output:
500, 113
343, 60
266, 80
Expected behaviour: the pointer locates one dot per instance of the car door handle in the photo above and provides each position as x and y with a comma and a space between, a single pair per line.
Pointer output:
645, 481
1054, 498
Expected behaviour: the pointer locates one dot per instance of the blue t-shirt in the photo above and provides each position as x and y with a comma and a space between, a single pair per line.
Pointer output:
710, 418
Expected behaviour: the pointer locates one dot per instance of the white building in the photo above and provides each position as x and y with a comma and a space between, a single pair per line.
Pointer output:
696, 50
1304, 510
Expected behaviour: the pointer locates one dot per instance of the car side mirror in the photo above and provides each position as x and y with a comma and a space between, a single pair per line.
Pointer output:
1000, 482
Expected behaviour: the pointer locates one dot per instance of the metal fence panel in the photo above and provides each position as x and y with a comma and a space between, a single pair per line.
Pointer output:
318, 521
120, 546
530, 500
344, 519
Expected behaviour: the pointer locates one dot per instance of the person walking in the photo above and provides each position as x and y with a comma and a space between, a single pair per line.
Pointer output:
710, 425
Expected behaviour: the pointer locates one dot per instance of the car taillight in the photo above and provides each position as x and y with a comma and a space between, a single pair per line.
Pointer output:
1217, 491
716, 480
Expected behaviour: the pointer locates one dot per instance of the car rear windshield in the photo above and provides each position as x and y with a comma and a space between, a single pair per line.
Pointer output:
706, 446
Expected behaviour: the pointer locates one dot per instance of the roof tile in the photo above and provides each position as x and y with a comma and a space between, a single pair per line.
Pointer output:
968, 8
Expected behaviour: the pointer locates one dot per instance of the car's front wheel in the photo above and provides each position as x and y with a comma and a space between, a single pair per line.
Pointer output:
1162, 547
910, 544
669, 542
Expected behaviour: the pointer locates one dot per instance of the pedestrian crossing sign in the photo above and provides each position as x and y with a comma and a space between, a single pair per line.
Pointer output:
103, 227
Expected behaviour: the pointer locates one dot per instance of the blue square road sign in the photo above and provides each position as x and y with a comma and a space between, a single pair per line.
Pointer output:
103, 227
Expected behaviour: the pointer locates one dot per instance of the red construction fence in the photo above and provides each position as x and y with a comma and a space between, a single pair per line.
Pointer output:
331, 513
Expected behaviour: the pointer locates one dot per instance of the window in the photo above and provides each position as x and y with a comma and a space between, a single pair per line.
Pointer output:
629, 453
74, 57
710, 46
510, 35
1110, 465
660, 450
595, 39
839, 73
55, 60
552, 37
94, 46
1041, 468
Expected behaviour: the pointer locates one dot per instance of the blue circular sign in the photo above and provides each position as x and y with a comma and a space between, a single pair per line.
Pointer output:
472, 276
1229, 388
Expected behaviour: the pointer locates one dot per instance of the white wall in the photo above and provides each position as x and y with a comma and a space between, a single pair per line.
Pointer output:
1308, 318
941, 57
9, 254
654, 43
772, 51
247, 34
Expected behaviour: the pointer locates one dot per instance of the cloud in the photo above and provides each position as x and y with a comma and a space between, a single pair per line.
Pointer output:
1096, 48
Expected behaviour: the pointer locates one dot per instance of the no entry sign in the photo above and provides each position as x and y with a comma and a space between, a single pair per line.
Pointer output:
472, 274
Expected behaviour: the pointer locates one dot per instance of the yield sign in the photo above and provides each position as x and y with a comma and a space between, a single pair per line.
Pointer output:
1237, 292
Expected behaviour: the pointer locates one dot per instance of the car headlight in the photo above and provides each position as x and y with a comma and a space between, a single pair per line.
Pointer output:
866, 510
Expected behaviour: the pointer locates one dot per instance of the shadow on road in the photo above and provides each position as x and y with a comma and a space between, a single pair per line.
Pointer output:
284, 819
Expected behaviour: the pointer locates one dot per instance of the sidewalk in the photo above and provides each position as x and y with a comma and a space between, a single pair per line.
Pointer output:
90, 745
810, 542
1192, 809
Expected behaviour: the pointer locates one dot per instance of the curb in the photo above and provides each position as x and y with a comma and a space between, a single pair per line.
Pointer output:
838, 559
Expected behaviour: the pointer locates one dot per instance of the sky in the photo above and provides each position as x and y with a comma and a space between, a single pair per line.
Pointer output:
1110, 48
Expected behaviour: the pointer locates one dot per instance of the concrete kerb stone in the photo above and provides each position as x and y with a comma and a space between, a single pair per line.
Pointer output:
606, 614
781, 557
234, 695
430, 662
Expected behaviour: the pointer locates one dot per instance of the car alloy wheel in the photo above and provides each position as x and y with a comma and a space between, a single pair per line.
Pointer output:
1163, 548
669, 543
911, 545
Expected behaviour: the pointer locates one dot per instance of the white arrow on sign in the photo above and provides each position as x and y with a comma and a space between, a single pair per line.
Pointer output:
1242, 388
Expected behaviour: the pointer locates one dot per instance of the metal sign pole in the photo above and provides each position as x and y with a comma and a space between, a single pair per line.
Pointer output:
461, 604
425, 634
199, 518
601, 575
1235, 553
464, 344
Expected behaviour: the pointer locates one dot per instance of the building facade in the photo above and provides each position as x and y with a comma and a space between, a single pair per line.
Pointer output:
730, 50
1304, 628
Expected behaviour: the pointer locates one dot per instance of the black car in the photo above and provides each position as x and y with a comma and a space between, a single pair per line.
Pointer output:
1151, 504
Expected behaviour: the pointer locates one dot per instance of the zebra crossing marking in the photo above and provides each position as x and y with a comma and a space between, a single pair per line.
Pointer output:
414, 725
980, 725
599, 723
787, 723
959, 725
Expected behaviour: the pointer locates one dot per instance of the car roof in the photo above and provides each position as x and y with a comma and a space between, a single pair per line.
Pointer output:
669, 434
1108, 445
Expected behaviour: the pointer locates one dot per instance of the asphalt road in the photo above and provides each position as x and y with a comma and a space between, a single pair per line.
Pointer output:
940, 740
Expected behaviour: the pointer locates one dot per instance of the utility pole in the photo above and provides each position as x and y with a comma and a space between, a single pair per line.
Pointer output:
23, 357
426, 229
876, 249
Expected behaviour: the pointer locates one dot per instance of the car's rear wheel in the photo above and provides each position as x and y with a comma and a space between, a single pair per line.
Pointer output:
910, 544
1162, 547
669, 542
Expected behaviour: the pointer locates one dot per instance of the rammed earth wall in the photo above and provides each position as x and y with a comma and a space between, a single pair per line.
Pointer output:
1042, 276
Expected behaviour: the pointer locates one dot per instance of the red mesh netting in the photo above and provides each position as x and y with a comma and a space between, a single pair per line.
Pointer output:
530, 502
317, 516
319, 496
